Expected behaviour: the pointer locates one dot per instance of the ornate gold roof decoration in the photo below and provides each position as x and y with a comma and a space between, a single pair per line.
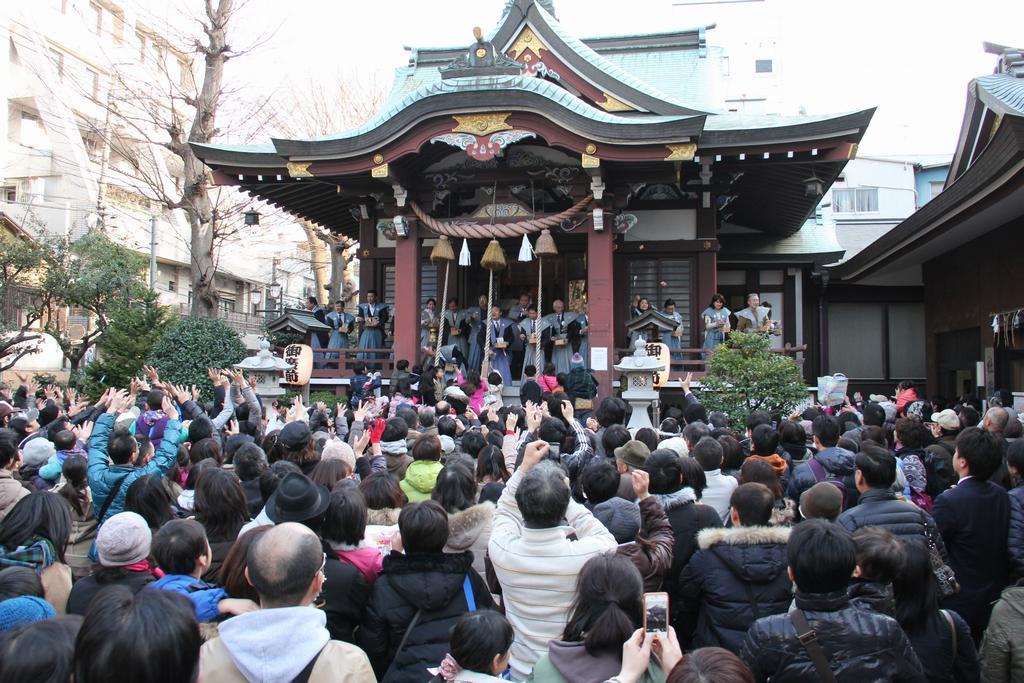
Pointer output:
681, 152
589, 161
527, 40
299, 169
612, 104
481, 124
379, 171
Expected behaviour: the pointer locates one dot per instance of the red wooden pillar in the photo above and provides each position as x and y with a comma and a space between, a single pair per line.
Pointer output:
407, 296
601, 304
707, 268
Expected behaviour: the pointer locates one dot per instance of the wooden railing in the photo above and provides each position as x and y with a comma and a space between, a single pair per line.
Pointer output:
692, 360
344, 360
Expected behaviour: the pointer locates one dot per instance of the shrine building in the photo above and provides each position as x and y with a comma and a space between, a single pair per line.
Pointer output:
605, 142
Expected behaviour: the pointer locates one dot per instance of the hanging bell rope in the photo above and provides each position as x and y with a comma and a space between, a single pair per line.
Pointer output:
476, 230
494, 259
442, 251
545, 247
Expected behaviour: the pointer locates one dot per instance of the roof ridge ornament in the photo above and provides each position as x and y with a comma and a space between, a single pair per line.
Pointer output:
482, 59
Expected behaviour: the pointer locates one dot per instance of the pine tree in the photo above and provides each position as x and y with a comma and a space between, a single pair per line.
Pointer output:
126, 343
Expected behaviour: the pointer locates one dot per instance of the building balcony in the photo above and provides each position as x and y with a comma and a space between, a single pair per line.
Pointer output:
243, 323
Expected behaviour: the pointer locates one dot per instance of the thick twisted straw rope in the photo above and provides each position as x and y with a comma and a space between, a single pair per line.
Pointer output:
440, 325
479, 231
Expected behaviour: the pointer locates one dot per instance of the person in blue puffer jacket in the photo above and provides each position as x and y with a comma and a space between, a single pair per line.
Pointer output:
110, 457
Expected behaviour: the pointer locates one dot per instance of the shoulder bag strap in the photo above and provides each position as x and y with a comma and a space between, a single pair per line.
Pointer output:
809, 639
307, 671
110, 498
467, 588
817, 469
952, 628
405, 639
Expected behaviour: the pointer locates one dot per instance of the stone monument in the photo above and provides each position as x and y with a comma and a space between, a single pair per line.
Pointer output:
639, 391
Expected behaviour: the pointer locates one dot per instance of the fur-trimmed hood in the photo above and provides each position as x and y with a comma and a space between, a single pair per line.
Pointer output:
466, 526
744, 535
754, 554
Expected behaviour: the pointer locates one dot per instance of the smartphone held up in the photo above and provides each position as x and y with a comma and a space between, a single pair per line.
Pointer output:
656, 612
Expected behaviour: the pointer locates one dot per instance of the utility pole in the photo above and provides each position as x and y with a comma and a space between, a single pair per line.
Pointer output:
152, 252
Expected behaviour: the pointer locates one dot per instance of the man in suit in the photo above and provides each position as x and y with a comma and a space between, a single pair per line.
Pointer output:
517, 349
974, 518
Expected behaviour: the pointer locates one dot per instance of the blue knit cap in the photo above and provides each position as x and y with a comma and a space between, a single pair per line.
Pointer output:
24, 610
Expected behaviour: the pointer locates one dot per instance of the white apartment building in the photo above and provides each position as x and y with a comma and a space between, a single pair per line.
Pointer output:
66, 164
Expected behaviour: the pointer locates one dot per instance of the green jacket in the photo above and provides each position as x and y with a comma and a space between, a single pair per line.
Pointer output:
546, 672
1002, 650
420, 477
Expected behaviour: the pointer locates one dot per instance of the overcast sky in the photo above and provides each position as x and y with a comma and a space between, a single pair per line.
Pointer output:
910, 58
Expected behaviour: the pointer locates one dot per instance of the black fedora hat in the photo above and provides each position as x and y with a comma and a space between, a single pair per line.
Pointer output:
297, 499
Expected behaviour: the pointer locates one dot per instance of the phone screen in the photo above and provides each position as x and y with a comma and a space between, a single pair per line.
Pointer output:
656, 612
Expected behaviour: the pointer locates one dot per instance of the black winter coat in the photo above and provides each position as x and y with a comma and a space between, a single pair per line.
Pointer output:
881, 508
838, 464
344, 596
431, 584
861, 645
736, 577
87, 588
687, 518
933, 643
1015, 540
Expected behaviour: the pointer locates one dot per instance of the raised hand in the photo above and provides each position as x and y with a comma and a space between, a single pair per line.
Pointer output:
685, 382
151, 373
593, 425
376, 430
511, 420
362, 410
232, 427
83, 431
118, 402
641, 483
169, 408
533, 454
568, 411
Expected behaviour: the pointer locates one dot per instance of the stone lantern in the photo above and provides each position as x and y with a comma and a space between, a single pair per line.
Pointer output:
267, 369
639, 391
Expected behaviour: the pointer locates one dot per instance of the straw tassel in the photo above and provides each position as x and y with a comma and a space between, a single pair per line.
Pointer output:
442, 251
525, 251
546, 244
464, 254
494, 256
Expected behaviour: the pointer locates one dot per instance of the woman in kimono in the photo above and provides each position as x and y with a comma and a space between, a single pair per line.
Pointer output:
673, 339
642, 306
584, 335
716, 322
477, 315
340, 323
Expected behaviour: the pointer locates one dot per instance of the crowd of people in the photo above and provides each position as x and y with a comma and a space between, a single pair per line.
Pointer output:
419, 532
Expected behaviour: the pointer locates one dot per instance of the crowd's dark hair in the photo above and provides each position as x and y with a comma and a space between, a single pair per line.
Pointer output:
328, 473
669, 425
249, 461
543, 496
408, 414
1015, 456
478, 637
148, 497
149, 636
708, 453
8, 447
718, 420
826, 428
608, 605
911, 433
915, 587
208, 448
821, 555
231, 576
694, 432
874, 414
472, 443
553, 431
18, 581
757, 471
530, 370
764, 440
969, 416
981, 450
424, 527
599, 480
76, 483
446, 426
40, 513
220, 505
614, 436
346, 517
695, 412
753, 503
395, 429
876, 435
426, 447
717, 297
877, 465
41, 652
648, 437
178, 544
666, 474
880, 555
455, 488
490, 462
732, 452
382, 491
610, 411
64, 440
121, 447
707, 664
792, 432
757, 417
426, 417
693, 475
